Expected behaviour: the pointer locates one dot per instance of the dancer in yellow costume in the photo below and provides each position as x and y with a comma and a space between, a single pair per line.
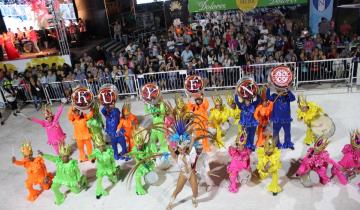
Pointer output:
234, 111
308, 112
269, 164
218, 116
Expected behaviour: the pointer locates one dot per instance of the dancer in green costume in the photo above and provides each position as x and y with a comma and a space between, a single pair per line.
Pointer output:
144, 157
96, 125
157, 112
105, 166
67, 173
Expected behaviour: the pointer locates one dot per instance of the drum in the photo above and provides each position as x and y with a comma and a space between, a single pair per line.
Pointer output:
247, 88
28, 46
82, 98
150, 93
323, 126
244, 176
281, 77
194, 85
151, 178
108, 94
310, 179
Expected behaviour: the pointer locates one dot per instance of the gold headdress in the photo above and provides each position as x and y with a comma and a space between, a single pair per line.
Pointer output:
139, 137
64, 149
241, 138
355, 138
179, 101
217, 100
230, 99
302, 101
47, 111
320, 144
126, 108
269, 145
26, 149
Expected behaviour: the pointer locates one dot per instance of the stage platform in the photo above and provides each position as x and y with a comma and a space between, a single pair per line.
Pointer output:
341, 107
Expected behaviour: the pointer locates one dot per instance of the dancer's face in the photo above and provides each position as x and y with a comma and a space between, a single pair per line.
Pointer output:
304, 108
233, 106
198, 101
65, 158
264, 103
102, 148
29, 156
50, 118
247, 102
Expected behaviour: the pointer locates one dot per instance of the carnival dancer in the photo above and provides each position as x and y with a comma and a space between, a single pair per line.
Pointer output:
96, 125
105, 166
281, 116
318, 160
200, 109
112, 115
269, 164
240, 160
247, 119
81, 132
219, 115
157, 112
144, 158
262, 115
128, 122
308, 112
184, 143
55, 133
351, 159
36, 171
234, 111
67, 173
202, 167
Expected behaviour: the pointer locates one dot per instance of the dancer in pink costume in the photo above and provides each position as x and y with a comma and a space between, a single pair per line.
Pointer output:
351, 160
318, 160
240, 160
56, 135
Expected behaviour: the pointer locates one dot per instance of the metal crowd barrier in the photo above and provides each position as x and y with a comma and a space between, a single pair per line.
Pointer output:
319, 71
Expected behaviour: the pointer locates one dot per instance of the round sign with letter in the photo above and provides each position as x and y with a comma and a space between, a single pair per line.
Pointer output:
194, 85
82, 98
247, 88
150, 93
108, 94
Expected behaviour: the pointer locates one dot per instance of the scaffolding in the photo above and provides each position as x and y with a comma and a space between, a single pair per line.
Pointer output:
59, 26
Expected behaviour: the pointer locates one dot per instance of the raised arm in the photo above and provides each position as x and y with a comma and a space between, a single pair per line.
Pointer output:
270, 97
58, 113
48, 157
18, 162
291, 96
104, 111
71, 115
38, 121
237, 101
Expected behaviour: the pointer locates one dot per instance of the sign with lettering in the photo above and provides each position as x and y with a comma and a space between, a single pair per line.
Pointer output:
108, 94
247, 88
245, 5
194, 85
150, 93
281, 76
82, 98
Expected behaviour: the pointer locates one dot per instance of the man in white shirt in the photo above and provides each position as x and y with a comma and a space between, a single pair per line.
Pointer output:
186, 55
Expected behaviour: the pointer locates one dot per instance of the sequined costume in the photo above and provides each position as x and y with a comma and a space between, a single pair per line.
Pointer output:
240, 160
281, 116
128, 122
308, 111
269, 164
96, 125
36, 171
218, 116
157, 134
67, 174
234, 112
262, 115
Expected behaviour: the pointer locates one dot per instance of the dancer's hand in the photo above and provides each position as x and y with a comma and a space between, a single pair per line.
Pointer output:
40, 153
13, 159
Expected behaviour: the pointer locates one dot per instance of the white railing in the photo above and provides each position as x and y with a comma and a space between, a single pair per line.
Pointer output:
320, 71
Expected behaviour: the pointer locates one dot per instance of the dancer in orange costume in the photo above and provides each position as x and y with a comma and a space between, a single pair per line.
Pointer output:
128, 122
36, 170
262, 115
81, 131
200, 109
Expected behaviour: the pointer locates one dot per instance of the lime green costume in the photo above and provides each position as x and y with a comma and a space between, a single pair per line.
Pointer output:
105, 167
95, 125
157, 134
67, 174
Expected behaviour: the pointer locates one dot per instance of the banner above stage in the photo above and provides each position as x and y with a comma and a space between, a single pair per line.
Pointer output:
218, 5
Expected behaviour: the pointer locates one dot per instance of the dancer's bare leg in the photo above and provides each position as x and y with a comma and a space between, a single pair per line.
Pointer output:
179, 186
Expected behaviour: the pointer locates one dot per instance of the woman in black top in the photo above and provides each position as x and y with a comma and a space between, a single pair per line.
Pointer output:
36, 92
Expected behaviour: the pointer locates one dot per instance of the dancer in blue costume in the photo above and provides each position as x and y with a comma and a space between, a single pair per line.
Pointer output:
112, 116
247, 119
281, 116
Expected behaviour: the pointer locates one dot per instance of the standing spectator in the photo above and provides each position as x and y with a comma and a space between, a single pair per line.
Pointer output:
186, 56
117, 31
324, 27
82, 29
73, 31
34, 39
345, 28
36, 92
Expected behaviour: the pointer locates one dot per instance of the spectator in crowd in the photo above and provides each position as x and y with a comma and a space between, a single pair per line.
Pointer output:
117, 31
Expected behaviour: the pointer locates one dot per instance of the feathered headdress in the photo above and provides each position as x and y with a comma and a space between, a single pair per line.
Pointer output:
302, 101
320, 144
26, 149
126, 108
217, 100
269, 145
355, 138
179, 101
64, 150
263, 94
241, 138
47, 111
180, 136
